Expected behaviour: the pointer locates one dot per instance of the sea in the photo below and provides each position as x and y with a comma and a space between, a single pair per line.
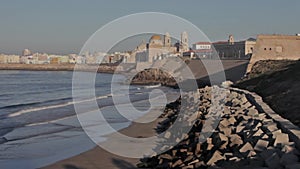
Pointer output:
38, 122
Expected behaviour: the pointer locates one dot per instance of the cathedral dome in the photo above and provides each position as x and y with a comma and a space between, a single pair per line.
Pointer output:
155, 37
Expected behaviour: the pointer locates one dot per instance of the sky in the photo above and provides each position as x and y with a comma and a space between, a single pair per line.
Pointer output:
63, 26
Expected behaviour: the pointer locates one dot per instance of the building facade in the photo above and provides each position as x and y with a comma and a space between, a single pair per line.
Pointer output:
158, 48
275, 47
202, 50
9, 58
235, 50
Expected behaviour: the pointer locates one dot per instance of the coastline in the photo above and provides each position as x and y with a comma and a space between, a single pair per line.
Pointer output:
60, 67
100, 158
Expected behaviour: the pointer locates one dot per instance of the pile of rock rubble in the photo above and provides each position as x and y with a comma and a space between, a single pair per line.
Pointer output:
244, 137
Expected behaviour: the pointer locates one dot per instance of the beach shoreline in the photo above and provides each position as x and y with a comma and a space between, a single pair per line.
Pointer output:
101, 158
98, 157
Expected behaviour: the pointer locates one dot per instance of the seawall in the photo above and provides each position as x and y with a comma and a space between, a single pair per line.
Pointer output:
206, 72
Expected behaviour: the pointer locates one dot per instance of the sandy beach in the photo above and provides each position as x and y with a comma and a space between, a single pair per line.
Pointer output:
100, 158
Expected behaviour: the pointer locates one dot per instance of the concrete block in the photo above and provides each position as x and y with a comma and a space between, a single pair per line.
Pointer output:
276, 133
165, 156
239, 128
261, 145
198, 148
235, 140
224, 123
188, 158
282, 139
251, 154
193, 162
247, 105
223, 137
177, 163
232, 120
217, 156
258, 133
210, 146
271, 126
226, 110
226, 130
247, 147
252, 112
265, 136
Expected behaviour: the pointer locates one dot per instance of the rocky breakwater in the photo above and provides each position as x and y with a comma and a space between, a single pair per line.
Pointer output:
245, 136
152, 77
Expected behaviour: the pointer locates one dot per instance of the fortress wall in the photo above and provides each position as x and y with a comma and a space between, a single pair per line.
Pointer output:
275, 47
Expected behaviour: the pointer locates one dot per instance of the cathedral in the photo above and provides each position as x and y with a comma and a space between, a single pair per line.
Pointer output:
159, 47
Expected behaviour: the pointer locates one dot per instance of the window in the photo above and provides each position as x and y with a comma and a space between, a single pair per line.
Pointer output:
270, 48
265, 48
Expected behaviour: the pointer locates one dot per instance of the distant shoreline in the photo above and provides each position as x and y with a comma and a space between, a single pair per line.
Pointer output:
60, 67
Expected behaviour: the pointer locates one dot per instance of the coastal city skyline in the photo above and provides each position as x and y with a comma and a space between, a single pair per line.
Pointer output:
132, 84
63, 27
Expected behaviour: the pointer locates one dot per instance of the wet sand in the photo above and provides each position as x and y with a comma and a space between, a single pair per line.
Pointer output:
98, 158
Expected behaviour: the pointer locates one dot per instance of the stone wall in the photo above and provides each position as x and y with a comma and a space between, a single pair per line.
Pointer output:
275, 47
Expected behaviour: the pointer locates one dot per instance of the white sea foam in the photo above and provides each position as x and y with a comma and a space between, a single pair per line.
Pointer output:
18, 113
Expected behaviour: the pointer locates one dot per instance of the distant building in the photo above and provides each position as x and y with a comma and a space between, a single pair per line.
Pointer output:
26, 52
202, 50
40, 58
9, 58
80, 59
275, 47
235, 50
58, 59
54, 60
157, 48
63, 59
77, 59
2, 58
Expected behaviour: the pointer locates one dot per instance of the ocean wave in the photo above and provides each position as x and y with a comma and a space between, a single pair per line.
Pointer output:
12, 93
34, 103
137, 93
18, 113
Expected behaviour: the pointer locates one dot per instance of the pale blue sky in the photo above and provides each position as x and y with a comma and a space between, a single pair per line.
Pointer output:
63, 26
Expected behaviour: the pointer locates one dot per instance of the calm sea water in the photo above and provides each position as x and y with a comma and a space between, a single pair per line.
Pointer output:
38, 124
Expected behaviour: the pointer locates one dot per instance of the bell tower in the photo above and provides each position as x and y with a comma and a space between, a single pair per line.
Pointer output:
231, 40
184, 41
167, 40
